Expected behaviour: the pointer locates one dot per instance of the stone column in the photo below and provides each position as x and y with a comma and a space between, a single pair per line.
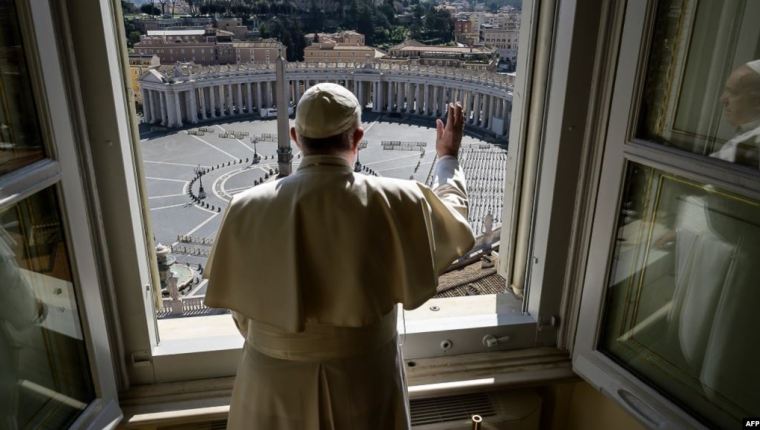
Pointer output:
193, 107
145, 105
418, 98
249, 100
218, 93
220, 101
444, 100
223, 94
230, 100
491, 107
426, 100
177, 110
202, 93
156, 106
375, 102
476, 117
399, 96
239, 98
258, 95
390, 96
211, 101
171, 111
162, 108
150, 115
358, 93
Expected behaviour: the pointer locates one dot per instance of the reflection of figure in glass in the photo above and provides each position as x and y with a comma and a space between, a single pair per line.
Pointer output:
741, 107
313, 266
18, 310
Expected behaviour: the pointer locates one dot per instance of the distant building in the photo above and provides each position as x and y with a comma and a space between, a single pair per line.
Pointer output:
234, 26
470, 57
264, 51
202, 46
139, 64
343, 47
466, 31
150, 23
503, 40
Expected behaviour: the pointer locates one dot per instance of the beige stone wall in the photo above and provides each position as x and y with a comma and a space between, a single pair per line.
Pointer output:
578, 406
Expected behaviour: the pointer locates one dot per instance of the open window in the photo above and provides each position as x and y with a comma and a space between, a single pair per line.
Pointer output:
668, 303
202, 132
531, 187
57, 369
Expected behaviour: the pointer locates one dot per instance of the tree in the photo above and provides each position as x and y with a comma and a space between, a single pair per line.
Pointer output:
289, 33
150, 9
128, 8
315, 21
134, 37
365, 26
438, 25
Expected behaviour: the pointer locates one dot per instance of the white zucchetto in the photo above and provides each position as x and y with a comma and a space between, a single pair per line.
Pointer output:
326, 110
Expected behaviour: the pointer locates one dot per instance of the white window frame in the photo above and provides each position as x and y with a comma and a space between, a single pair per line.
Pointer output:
61, 171
620, 146
107, 108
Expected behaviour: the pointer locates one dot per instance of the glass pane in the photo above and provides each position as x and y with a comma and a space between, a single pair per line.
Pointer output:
702, 88
44, 373
20, 140
681, 309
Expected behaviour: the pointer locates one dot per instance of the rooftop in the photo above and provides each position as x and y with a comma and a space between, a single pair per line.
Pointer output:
191, 32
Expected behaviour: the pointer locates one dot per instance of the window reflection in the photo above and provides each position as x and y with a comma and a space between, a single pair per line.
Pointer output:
683, 293
702, 88
20, 140
44, 372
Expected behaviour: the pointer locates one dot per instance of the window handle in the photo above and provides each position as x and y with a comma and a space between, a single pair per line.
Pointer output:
640, 409
490, 340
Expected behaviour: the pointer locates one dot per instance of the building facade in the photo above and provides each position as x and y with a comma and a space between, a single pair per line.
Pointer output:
234, 26
264, 51
503, 40
139, 64
178, 96
203, 46
343, 47
468, 57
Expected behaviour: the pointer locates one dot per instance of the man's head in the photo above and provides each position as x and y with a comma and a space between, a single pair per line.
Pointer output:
741, 95
328, 121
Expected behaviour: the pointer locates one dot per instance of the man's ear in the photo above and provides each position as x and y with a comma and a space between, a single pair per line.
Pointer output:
294, 137
357, 137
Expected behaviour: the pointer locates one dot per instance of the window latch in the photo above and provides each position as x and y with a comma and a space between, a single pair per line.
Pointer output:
490, 340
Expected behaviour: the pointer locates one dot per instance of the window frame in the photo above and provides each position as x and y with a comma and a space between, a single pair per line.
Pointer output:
620, 147
60, 171
121, 182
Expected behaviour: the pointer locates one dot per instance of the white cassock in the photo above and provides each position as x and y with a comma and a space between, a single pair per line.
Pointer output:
312, 266
744, 148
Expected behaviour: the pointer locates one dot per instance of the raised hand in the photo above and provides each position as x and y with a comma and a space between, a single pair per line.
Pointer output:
449, 137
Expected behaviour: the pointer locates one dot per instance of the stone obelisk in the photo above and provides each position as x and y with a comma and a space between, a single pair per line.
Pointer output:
284, 151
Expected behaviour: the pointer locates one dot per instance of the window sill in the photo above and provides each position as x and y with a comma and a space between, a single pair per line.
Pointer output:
218, 332
150, 406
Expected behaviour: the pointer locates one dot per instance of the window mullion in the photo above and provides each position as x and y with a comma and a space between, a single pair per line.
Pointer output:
740, 179
28, 180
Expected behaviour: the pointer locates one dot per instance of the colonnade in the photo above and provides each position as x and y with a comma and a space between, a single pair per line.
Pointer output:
179, 102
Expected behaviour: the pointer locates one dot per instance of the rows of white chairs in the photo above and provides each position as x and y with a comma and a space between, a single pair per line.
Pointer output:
485, 168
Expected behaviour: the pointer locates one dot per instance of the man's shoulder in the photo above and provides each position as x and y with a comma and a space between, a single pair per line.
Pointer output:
383, 184
263, 191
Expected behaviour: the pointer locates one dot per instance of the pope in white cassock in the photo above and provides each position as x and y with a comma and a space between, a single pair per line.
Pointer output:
741, 108
313, 265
